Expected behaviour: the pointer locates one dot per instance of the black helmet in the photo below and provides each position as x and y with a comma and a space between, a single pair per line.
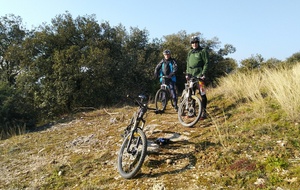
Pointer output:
167, 52
195, 39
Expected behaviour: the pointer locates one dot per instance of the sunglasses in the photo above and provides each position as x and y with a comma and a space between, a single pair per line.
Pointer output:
194, 42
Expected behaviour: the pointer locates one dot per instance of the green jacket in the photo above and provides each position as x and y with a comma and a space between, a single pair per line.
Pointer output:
197, 62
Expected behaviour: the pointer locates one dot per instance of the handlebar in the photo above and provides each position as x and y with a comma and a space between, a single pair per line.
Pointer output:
142, 97
192, 77
165, 76
142, 105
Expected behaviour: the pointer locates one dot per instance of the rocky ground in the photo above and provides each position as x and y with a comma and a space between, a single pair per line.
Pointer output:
81, 153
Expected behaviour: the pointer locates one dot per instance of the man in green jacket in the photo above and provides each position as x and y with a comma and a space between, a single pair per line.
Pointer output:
197, 63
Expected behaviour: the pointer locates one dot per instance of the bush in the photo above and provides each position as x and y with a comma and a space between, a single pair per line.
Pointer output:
15, 113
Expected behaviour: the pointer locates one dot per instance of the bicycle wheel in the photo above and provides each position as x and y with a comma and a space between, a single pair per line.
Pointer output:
189, 111
132, 154
161, 99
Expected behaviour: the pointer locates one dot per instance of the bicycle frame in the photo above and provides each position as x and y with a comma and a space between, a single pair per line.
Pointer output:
134, 146
164, 85
138, 118
190, 107
191, 87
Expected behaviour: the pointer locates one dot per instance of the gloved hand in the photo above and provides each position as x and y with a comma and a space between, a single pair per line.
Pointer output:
170, 75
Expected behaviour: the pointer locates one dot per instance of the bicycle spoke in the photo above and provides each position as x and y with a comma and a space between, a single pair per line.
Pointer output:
189, 111
161, 99
132, 154
130, 158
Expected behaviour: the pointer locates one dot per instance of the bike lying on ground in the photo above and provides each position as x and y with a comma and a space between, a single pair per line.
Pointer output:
190, 107
163, 95
134, 147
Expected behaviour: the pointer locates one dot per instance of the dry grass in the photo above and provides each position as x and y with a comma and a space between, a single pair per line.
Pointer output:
284, 86
281, 86
243, 86
249, 141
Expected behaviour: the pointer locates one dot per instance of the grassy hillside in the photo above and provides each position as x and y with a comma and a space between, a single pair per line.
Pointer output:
250, 141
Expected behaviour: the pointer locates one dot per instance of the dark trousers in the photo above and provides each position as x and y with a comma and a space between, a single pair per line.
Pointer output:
204, 102
173, 92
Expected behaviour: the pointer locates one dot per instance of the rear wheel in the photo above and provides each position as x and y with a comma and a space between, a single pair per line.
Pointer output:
132, 154
161, 99
189, 111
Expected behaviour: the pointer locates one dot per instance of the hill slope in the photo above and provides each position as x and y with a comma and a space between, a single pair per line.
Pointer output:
250, 141
229, 150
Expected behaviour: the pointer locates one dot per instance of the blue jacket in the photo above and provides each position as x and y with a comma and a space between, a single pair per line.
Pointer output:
166, 68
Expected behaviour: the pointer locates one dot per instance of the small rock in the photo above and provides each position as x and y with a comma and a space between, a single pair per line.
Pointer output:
259, 181
158, 186
169, 161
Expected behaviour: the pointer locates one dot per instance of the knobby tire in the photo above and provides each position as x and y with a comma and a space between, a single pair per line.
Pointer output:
189, 111
129, 164
161, 99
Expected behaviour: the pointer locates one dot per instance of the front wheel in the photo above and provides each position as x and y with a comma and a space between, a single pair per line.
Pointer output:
132, 154
189, 111
161, 100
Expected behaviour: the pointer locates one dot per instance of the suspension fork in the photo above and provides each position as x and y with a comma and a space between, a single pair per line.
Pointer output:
136, 123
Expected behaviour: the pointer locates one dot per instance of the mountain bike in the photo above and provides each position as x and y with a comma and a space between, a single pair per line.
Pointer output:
163, 95
134, 147
190, 107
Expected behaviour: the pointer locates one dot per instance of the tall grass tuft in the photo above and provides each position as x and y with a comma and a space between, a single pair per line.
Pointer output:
244, 87
7, 131
282, 85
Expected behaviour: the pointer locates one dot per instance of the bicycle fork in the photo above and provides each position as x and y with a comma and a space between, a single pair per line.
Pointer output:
133, 151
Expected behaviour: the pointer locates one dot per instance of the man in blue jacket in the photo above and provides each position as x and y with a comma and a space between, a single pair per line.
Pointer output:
168, 67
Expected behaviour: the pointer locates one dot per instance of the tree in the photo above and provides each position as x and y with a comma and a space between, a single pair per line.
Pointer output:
74, 63
15, 110
228, 49
295, 58
179, 45
12, 35
140, 58
79, 63
254, 62
271, 63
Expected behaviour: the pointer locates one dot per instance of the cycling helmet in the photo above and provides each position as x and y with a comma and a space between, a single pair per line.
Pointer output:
195, 39
167, 52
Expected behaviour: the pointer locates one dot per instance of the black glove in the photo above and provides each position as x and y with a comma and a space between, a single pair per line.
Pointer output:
170, 75
202, 77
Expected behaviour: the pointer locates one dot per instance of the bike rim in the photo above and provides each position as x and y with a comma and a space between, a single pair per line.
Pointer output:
189, 111
130, 162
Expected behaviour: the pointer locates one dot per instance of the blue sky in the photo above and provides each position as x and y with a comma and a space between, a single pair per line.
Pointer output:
267, 27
